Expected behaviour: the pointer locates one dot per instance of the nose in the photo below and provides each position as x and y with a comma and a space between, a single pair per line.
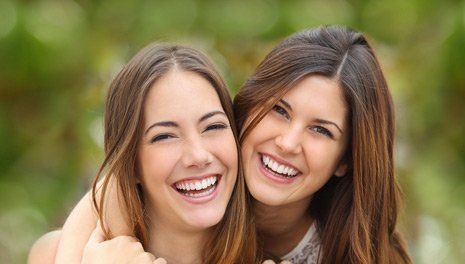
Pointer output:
290, 141
196, 154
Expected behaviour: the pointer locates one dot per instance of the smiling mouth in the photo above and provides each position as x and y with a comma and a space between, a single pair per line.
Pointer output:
277, 168
197, 188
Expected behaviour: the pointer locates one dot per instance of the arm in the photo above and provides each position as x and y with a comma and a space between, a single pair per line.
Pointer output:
82, 221
121, 249
44, 249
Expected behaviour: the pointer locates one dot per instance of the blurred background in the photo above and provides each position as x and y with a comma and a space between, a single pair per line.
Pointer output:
58, 57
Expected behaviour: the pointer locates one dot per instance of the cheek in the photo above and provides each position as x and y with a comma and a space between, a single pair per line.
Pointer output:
323, 156
157, 163
246, 150
265, 130
224, 149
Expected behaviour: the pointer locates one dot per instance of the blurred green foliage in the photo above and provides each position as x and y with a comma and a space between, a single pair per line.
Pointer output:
57, 58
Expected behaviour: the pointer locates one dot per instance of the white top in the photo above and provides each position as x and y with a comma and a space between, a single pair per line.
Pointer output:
306, 252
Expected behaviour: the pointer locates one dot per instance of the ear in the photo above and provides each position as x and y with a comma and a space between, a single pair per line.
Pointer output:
341, 169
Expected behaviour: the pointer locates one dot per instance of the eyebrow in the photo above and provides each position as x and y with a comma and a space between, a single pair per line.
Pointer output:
162, 124
318, 120
323, 121
174, 124
211, 114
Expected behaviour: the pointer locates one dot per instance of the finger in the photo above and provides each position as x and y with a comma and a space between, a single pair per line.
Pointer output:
97, 235
160, 261
151, 257
145, 257
268, 261
125, 239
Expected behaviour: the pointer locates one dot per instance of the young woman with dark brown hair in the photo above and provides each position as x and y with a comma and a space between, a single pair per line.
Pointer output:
317, 137
316, 124
171, 160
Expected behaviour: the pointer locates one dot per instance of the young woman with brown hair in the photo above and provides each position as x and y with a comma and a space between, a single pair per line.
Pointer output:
171, 160
317, 137
316, 124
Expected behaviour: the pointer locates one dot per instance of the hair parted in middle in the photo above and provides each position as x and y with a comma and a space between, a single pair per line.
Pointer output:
234, 236
361, 207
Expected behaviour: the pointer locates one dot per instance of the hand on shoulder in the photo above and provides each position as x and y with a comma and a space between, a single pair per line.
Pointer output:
121, 249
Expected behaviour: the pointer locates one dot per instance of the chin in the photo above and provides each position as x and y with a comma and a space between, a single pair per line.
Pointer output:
206, 219
268, 201
266, 196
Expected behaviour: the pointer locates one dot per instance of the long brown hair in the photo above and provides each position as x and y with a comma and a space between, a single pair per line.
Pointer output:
234, 236
356, 214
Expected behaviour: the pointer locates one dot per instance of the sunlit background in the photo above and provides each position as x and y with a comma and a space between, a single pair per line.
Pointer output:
57, 58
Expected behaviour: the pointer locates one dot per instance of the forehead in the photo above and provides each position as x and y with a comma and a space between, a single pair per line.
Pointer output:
181, 93
318, 95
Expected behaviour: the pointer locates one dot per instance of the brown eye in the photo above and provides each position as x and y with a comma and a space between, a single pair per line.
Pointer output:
322, 130
278, 109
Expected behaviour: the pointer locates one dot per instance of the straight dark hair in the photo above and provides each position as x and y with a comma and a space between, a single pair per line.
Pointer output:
359, 209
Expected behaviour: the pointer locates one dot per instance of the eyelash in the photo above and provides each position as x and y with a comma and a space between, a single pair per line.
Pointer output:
322, 130
162, 137
216, 127
278, 109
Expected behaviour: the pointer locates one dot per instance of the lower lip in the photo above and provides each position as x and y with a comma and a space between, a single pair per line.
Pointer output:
202, 199
270, 175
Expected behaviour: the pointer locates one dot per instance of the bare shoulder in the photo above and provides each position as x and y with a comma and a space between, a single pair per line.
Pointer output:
44, 249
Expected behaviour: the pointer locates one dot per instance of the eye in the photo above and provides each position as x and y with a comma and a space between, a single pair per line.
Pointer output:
161, 137
322, 130
216, 126
278, 109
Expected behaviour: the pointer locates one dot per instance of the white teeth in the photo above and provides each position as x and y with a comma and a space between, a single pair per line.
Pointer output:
196, 184
278, 168
286, 170
274, 166
266, 160
204, 193
204, 184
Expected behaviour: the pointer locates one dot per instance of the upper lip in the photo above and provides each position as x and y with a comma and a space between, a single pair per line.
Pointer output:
281, 160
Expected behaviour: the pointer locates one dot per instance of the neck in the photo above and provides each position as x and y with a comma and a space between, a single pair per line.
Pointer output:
176, 245
282, 227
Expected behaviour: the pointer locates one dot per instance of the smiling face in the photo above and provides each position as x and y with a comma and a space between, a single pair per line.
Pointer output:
299, 144
187, 155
